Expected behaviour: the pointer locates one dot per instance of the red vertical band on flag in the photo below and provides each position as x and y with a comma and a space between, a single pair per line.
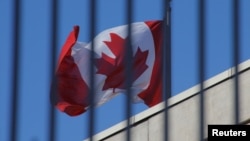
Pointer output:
71, 89
153, 94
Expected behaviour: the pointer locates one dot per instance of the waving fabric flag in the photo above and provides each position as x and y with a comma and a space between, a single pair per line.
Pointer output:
72, 72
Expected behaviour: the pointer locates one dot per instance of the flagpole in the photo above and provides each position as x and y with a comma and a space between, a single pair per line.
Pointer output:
167, 66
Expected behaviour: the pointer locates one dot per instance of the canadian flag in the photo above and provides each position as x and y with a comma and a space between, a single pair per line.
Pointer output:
72, 74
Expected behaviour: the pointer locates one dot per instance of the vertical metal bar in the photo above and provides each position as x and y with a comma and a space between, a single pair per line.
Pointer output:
236, 54
91, 69
128, 71
53, 33
15, 69
201, 62
167, 65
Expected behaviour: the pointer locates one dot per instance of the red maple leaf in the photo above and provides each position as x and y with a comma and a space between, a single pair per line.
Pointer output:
114, 68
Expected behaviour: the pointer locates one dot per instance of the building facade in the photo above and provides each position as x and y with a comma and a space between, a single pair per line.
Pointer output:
184, 111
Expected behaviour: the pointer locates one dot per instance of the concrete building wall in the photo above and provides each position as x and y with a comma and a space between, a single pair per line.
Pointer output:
184, 111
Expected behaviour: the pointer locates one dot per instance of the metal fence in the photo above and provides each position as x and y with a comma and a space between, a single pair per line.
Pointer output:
167, 6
